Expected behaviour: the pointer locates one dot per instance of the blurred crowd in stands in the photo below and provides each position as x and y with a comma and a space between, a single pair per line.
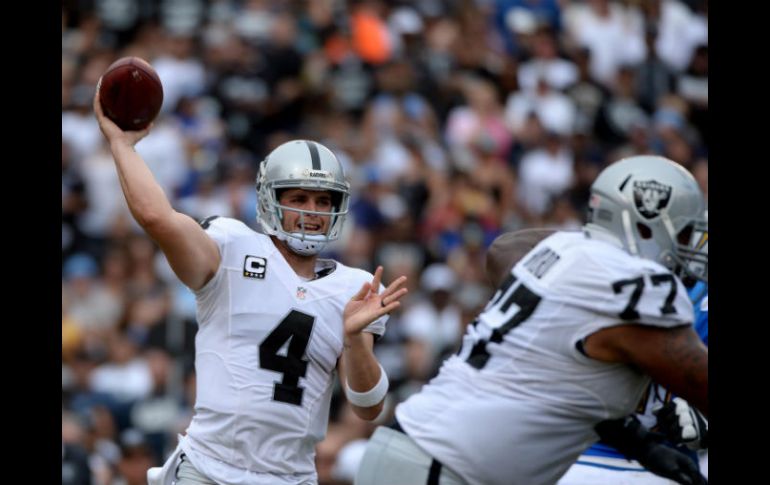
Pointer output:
455, 120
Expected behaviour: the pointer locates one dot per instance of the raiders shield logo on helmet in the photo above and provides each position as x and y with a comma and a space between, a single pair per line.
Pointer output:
650, 197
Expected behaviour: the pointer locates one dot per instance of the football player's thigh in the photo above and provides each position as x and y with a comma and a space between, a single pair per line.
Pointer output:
390, 458
188, 475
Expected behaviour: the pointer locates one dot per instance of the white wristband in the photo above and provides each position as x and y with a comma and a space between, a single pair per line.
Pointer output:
371, 397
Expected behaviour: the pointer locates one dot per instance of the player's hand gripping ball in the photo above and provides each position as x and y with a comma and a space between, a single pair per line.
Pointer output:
130, 93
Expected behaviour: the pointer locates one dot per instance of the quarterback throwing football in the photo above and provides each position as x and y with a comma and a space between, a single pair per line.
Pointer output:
275, 320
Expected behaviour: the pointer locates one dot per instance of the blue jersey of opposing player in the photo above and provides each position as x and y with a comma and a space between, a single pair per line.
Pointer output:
656, 395
699, 295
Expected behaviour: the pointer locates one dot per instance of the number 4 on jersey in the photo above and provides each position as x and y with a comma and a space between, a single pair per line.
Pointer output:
297, 327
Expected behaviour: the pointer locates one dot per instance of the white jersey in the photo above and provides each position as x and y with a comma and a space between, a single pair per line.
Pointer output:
265, 355
518, 404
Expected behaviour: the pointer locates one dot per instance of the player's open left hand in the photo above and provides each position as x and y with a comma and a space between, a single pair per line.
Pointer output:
369, 304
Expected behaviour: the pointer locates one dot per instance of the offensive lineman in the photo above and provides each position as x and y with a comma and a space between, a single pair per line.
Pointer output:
571, 338
649, 457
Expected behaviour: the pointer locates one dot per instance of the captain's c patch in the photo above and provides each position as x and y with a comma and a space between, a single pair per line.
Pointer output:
254, 267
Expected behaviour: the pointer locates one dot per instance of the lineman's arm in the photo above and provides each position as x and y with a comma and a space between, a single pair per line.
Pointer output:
192, 254
673, 357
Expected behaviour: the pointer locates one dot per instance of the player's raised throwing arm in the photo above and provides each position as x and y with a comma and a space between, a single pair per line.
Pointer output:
192, 254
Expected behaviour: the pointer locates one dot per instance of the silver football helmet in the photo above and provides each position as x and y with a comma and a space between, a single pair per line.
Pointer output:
653, 208
306, 165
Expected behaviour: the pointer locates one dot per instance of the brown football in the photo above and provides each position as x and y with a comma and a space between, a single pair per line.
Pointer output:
131, 93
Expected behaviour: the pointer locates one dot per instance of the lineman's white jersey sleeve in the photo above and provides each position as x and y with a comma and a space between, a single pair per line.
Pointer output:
518, 404
266, 351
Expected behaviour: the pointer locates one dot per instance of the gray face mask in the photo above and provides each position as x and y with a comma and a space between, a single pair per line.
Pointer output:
301, 242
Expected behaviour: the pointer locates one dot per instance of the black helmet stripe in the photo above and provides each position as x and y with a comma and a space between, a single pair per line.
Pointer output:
623, 185
314, 157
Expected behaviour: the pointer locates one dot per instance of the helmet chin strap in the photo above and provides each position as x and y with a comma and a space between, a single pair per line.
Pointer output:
310, 246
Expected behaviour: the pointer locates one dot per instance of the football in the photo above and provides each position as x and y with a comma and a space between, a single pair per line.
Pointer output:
130, 93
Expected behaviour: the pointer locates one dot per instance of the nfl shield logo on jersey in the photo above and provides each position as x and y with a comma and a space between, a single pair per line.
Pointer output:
650, 197
301, 292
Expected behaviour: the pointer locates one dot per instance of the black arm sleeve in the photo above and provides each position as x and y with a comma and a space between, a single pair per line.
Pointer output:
627, 435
